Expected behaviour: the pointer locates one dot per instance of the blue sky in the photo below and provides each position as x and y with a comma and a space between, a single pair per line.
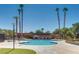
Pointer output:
37, 16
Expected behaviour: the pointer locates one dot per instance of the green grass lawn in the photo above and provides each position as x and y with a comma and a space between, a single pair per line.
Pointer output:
16, 51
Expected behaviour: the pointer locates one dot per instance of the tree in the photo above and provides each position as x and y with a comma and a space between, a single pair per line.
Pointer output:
47, 32
57, 10
21, 12
70, 33
38, 32
9, 33
65, 12
16, 21
31, 32
42, 30
75, 27
56, 31
61, 32
0, 30
19, 20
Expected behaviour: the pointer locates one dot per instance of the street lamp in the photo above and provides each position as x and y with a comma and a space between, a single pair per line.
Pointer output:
13, 24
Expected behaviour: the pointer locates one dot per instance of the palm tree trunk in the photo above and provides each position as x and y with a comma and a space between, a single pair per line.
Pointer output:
64, 19
16, 27
58, 21
64, 24
21, 8
19, 21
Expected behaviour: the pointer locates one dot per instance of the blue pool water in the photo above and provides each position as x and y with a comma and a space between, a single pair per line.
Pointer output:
39, 42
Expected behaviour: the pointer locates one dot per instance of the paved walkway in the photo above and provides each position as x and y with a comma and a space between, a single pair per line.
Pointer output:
60, 48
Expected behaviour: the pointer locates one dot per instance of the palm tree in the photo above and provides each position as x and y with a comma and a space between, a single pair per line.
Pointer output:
19, 20
21, 10
75, 29
16, 18
42, 30
57, 10
47, 32
38, 31
65, 12
56, 31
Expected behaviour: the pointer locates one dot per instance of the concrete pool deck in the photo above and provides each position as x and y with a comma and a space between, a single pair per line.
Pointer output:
61, 48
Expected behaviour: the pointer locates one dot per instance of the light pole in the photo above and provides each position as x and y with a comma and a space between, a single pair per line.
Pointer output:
13, 35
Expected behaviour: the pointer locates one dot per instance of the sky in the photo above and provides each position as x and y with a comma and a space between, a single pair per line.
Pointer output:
37, 16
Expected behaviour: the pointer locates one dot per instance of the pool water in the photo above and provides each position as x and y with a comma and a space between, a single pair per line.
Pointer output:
38, 42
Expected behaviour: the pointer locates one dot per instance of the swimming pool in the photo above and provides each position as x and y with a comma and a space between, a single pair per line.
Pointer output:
38, 42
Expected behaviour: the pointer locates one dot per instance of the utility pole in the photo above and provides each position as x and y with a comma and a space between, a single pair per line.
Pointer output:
13, 35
